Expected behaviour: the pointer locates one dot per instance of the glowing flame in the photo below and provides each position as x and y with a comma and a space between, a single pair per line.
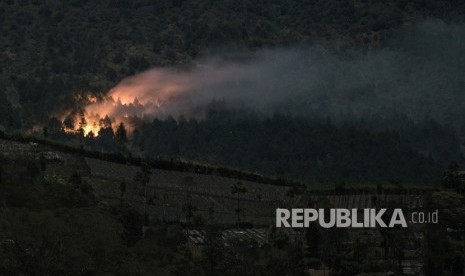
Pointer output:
91, 128
159, 93
151, 93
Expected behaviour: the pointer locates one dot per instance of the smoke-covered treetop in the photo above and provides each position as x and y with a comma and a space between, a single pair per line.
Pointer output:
419, 76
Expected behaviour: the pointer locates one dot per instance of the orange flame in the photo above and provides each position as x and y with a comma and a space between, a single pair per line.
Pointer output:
154, 93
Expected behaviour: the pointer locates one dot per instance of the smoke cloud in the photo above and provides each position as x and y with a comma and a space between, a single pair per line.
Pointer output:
420, 74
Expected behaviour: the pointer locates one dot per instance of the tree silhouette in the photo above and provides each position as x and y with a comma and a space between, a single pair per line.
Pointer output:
188, 207
238, 189
143, 178
451, 179
121, 135
122, 188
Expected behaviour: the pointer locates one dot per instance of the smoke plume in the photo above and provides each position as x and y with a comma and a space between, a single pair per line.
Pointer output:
421, 74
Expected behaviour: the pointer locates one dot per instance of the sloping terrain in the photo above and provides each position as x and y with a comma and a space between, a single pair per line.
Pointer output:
205, 199
212, 196
167, 191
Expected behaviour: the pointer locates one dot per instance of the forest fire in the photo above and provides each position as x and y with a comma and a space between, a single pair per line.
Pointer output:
146, 95
189, 92
154, 93
107, 111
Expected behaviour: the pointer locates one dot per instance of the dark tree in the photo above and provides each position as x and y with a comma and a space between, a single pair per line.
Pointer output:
121, 135
188, 207
238, 189
122, 188
143, 178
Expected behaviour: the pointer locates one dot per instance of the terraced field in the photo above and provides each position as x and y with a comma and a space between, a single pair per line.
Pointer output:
168, 191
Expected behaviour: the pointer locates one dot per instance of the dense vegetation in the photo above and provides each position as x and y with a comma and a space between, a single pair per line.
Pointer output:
53, 49
315, 151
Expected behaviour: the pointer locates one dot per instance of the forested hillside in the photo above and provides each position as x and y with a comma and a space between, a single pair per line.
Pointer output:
53, 49
53, 52
316, 151
160, 137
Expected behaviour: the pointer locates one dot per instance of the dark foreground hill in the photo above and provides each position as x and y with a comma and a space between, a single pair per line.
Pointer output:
66, 214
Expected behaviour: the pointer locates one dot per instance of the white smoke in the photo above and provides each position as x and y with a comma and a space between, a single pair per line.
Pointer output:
421, 75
